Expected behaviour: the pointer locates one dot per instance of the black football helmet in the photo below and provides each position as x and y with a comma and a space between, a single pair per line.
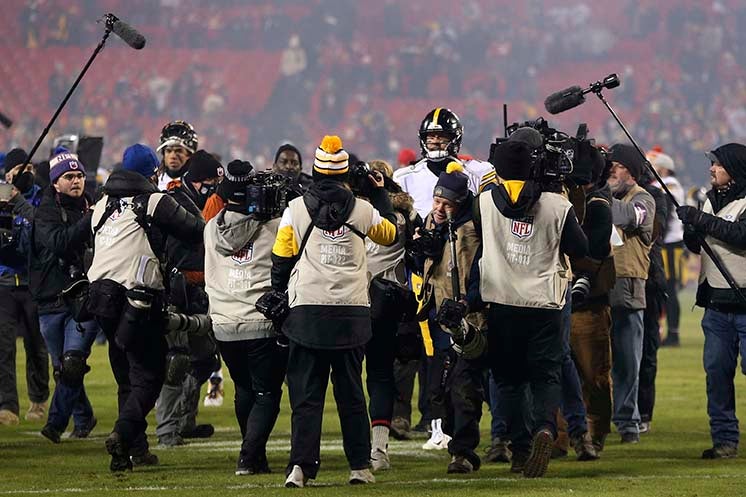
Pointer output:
441, 120
179, 133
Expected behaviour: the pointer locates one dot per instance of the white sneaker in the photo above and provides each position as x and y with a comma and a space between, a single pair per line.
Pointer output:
361, 476
296, 478
438, 441
379, 460
214, 397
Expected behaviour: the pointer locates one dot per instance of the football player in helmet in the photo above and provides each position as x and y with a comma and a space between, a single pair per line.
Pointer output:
440, 137
178, 142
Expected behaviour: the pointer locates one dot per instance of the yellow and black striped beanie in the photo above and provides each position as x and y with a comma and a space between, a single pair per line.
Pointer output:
331, 161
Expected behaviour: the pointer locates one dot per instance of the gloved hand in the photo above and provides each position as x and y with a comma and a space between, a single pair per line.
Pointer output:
689, 215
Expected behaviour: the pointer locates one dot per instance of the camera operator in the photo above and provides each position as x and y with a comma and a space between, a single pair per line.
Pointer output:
60, 238
441, 134
179, 400
633, 215
722, 223
178, 141
455, 381
395, 332
590, 337
319, 257
20, 196
655, 301
129, 224
527, 235
237, 273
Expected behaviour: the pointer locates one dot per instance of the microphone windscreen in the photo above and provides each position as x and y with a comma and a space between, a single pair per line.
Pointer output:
129, 34
564, 100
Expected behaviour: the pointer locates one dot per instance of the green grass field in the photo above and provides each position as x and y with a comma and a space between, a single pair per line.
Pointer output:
665, 463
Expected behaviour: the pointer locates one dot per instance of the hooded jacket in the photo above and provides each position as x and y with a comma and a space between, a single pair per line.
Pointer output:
115, 257
237, 273
14, 258
728, 235
327, 280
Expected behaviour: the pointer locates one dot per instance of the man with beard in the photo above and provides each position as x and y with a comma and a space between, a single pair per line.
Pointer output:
61, 235
722, 223
178, 142
319, 258
179, 400
633, 214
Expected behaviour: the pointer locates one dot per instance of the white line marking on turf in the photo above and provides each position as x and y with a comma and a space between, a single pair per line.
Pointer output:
213, 487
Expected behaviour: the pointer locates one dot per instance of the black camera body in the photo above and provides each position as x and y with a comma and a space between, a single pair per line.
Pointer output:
429, 244
266, 195
556, 160
274, 305
450, 314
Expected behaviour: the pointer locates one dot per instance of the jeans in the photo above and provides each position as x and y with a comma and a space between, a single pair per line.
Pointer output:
725, 337
591, 346
626, 353
62, 334
572, 407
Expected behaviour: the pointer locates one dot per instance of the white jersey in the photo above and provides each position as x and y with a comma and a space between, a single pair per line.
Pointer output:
675, 231
419, 181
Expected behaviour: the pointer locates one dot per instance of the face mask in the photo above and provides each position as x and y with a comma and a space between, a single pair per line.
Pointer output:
207, 190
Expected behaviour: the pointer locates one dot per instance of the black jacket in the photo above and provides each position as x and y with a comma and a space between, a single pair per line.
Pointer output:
656, 283
733, 159
169, 218
185, 256
60, 236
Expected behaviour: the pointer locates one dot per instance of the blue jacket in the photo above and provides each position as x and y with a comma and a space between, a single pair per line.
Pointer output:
14, 255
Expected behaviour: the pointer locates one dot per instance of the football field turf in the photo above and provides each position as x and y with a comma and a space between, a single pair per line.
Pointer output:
666, 462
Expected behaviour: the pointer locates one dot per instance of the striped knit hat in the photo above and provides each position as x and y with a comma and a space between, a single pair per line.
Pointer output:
331, 161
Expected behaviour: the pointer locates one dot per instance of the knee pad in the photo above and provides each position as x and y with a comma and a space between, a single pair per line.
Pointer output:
178, 364
73, 367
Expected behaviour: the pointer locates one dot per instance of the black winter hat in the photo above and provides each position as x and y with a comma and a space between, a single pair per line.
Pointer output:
15, 157
732, 156
629, 157
237, 177
201, 166
513, 160
452, 184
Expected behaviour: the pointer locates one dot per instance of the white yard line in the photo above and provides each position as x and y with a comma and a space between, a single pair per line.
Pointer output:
459, 481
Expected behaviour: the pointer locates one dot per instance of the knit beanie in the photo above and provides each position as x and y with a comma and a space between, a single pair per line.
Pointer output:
452, 184
629, 157
237, 177
331, 161
15, 157
659, 160
64, 163
513, 160
202, 165
140, 159
406, 157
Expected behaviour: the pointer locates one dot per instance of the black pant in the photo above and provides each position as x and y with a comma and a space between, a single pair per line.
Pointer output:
258, 369
139, 371
18, 314
308, 376
525, 348
456, 396
379, 366
674, 259
404, 376
650, 343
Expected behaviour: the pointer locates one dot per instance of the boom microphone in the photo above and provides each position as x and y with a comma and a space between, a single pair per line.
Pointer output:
126, 32
564, 100
570, 98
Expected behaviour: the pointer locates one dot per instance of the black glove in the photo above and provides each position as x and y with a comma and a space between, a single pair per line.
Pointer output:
689, 215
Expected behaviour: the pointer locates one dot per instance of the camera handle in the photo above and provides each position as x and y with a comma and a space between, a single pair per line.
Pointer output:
109, 25
705, 246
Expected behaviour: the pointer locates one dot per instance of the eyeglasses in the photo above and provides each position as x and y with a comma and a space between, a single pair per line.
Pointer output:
72, 176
